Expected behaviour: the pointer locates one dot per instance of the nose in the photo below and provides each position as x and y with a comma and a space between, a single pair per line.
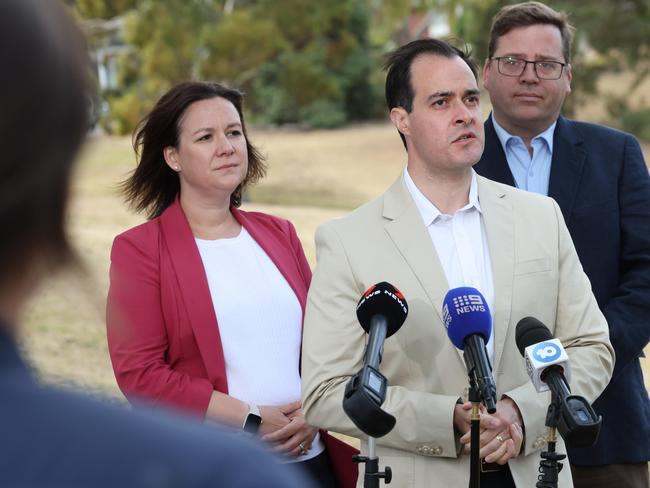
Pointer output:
464, 115
224, 146
529, 75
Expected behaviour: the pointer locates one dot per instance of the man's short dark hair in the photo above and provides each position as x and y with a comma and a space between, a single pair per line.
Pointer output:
526, 14
399, 91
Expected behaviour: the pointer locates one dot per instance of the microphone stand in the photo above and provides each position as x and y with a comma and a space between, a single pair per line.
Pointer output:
372, 474
550, 465
475, 432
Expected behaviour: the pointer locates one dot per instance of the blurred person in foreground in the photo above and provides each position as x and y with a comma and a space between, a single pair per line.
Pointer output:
50, 437
441, 226
205, 306
599, 179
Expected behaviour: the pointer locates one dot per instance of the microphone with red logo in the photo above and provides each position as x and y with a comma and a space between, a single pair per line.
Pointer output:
381, 312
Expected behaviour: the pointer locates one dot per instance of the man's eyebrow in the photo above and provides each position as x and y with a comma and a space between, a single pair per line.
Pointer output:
440, 94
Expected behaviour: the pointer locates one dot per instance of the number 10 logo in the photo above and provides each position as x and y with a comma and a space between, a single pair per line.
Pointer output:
546, 352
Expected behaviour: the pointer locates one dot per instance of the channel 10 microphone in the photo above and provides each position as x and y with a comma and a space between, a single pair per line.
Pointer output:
547, 364
469, 326
381, 311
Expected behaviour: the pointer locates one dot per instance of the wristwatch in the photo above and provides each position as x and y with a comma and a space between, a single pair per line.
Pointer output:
253, 420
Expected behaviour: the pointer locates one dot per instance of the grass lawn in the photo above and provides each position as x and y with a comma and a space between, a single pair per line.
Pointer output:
312, 177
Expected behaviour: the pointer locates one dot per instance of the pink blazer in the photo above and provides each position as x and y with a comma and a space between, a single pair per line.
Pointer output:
163, 335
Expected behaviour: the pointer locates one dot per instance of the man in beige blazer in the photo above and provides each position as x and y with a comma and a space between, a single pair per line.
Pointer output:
532, 270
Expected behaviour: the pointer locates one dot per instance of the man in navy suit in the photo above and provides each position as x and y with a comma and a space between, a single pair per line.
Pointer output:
49, 437
599, 179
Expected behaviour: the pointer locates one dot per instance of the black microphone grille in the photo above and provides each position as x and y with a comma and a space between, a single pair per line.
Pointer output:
382, 299
530, 331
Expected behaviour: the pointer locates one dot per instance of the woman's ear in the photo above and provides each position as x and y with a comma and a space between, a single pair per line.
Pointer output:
171, 157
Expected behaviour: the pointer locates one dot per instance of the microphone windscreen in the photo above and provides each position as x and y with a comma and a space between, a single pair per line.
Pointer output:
465, 312
382, 299
530, 331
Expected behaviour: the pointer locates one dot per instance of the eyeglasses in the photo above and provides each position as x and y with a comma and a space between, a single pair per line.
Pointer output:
545, 70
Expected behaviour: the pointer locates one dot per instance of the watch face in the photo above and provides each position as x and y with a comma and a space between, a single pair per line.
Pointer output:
252, 424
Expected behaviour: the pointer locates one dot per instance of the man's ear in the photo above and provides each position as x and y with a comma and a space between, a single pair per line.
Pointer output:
486, 73
400, 119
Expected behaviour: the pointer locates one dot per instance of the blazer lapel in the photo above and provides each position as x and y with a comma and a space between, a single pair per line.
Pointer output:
493, 163
499, 227
279, 251
566, 167
407, 231
194, 289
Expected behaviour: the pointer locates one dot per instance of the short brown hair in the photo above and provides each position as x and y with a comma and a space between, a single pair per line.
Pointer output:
153, 186
526, 14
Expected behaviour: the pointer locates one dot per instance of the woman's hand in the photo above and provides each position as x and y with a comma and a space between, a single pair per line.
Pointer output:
295, 438
275, 418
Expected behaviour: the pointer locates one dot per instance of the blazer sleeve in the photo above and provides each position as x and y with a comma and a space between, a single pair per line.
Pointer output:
137, 333
628, 311
582, 329
333, 348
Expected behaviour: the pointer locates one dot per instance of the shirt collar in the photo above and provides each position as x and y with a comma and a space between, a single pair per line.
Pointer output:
504, 136
428, 210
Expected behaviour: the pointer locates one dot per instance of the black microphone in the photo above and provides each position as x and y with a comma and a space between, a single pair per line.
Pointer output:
546, 363
381, 312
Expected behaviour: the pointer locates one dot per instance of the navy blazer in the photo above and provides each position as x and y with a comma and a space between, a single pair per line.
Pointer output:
55, 438
601, 183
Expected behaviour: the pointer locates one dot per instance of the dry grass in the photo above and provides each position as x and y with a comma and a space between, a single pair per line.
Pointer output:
313, 177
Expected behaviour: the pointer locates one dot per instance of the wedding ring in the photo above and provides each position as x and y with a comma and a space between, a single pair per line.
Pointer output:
499, 438
303, 449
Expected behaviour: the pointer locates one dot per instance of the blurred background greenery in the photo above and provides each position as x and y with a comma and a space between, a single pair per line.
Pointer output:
317, 64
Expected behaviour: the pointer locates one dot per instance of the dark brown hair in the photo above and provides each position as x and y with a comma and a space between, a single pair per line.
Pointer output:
526, 14
153, 185
44, 112
399, 91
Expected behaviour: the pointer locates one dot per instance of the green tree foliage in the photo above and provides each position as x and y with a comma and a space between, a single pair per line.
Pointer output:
298, 62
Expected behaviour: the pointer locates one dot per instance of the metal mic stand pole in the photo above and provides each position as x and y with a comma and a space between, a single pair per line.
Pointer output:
549, 465
372, 473
475, 444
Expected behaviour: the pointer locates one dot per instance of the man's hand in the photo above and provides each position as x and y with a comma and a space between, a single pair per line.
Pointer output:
501, 433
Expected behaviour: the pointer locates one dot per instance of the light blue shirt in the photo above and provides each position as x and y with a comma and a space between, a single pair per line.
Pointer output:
530, 173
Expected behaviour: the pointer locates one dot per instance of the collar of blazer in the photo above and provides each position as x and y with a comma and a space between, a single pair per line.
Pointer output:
405, 228
569, 156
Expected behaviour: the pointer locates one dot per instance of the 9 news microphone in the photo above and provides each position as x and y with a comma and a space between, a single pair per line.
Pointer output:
469, 326
547, 364
381, 312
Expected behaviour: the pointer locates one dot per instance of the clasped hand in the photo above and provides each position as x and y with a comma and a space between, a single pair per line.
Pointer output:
501, 433
285, 428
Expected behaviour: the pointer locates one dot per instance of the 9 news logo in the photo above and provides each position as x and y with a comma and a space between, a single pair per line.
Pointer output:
546, 352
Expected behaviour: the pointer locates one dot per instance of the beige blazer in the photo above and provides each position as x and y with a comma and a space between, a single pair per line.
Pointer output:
536, 273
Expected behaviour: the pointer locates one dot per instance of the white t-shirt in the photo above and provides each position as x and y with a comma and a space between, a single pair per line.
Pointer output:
259, 320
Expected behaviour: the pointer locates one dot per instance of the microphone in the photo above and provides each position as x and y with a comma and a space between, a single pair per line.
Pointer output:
381, 311
469, 326
547, 364
546, 359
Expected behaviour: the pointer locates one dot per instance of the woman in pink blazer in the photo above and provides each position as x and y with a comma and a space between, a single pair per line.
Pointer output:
206, 301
